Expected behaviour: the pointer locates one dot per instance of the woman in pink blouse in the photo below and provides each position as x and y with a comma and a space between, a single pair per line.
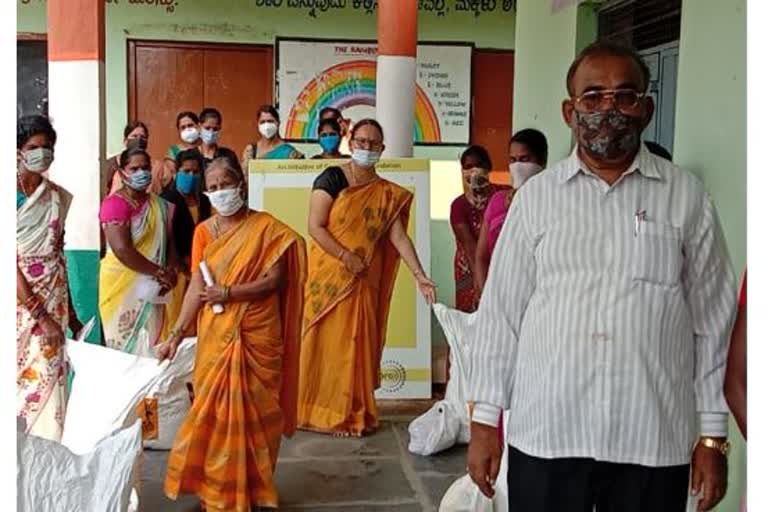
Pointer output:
527, 156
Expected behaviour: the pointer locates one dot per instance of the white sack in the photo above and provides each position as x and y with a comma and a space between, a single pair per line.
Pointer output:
464, 496
173, 402
435, 430
447, 422
108, 386
50, 478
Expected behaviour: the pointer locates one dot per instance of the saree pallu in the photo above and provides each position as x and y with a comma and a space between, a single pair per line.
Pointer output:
345, 316
282, 152
131, 323
41, 371
246, 373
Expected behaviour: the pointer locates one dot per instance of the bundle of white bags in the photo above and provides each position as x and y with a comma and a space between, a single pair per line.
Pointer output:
98, 463
447, 422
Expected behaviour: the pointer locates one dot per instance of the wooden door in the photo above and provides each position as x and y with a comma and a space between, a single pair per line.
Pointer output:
167, 78
492, 83
238, 82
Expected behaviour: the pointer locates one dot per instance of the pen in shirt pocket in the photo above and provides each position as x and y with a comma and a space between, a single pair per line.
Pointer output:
639, 217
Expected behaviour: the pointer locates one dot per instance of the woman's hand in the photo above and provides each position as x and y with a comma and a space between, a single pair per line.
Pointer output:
168, 349
215, 294
427, 287
353, 263
167, 278
53, 336
74, 324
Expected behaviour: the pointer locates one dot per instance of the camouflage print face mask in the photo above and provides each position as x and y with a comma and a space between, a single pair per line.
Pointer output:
608, 135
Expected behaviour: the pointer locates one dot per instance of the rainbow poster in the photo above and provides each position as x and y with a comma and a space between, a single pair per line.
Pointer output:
313, 75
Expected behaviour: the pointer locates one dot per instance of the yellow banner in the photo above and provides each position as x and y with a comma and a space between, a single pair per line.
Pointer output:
317, 166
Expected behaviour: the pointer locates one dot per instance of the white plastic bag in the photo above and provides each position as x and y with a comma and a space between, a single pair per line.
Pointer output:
170, 390
447, 422
148, 290
50, 478
464, 496
435, 430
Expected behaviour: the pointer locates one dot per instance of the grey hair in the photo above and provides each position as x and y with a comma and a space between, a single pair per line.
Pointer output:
225, 163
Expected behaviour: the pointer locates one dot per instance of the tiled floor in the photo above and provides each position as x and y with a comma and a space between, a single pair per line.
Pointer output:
320, 473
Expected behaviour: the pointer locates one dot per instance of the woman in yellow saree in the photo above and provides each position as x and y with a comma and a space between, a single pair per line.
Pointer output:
246, 367
139, 266
358, 225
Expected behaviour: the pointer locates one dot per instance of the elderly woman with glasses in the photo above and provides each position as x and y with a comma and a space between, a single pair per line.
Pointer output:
357, 222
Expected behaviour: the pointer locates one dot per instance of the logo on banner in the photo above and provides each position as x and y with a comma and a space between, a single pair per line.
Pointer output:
392, 376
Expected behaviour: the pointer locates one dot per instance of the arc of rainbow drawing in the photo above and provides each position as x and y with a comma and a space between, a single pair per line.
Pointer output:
349, 84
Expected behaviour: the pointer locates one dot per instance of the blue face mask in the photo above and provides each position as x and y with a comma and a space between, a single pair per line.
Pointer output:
139, 180
330, 142
209, 136
187, 183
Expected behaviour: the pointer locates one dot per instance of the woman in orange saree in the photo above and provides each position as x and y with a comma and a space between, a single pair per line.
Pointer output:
358, 226
246, 367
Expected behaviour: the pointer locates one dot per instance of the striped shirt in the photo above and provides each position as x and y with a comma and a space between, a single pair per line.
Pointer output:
605, 321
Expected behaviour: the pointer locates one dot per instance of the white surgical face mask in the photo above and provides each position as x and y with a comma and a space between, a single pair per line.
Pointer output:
268, 129
139, 180
209, 136
37, 160
520, 172
227, 202
190, 135
365, 158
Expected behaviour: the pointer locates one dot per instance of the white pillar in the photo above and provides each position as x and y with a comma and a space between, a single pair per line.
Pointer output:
76, 109
396, 75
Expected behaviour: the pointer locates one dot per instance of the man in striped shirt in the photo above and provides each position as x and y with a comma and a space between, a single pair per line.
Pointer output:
604, 324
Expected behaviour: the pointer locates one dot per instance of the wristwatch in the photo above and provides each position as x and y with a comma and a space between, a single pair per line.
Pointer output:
722, 446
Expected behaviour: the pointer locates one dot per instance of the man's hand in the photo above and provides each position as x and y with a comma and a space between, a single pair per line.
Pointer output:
484, 457
709, 476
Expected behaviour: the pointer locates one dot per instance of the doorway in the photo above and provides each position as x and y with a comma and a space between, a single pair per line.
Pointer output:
166, 78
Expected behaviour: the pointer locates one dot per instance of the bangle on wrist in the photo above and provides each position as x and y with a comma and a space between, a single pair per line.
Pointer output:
342, 252
39, 312
227, 293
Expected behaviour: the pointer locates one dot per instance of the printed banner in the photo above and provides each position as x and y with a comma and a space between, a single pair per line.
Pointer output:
313, 74
283, 187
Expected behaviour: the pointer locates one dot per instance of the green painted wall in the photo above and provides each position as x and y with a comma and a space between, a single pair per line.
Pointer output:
85, 288
711, 138
541, 64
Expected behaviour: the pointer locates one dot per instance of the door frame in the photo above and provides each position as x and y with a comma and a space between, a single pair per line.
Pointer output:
133, 44
472, 92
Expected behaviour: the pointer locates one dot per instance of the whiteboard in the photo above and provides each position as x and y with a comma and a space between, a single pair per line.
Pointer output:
313, 74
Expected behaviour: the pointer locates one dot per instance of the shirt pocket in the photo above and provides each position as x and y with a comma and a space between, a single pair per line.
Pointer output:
658, 256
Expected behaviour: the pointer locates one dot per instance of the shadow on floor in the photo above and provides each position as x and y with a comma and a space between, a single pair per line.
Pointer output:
320, 473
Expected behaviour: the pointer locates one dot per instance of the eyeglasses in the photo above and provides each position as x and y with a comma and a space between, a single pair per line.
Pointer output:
370, 144
623, 99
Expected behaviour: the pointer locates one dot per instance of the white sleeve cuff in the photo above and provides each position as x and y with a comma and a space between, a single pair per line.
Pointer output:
713, 424
486, 414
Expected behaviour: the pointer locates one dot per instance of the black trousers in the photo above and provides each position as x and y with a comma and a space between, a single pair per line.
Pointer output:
587, 485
